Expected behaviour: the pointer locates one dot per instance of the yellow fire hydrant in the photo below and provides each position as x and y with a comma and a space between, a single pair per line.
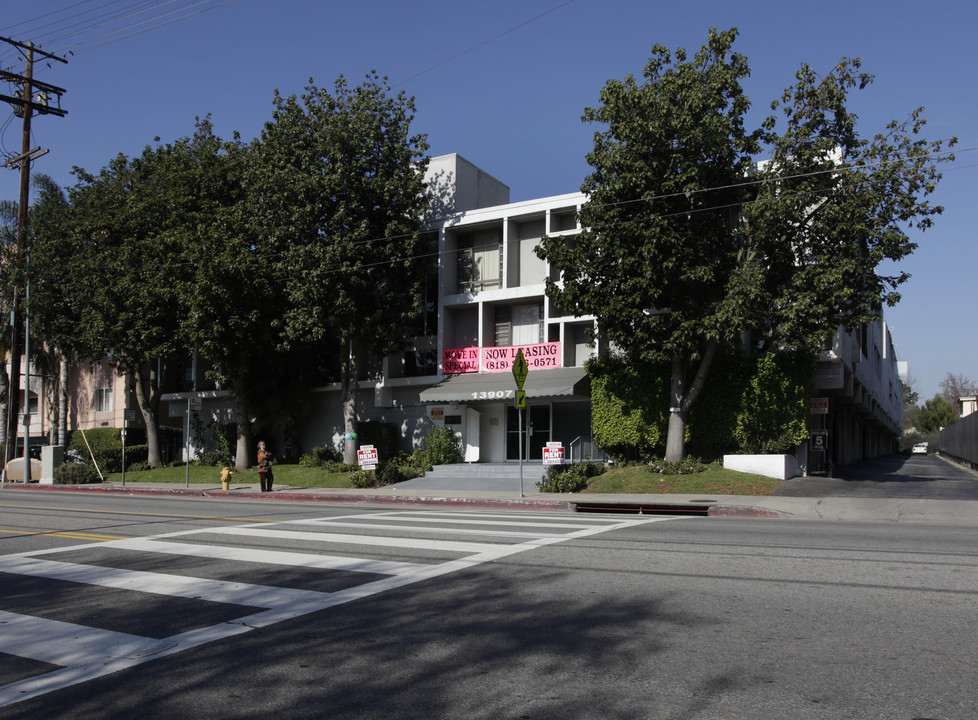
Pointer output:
226, 474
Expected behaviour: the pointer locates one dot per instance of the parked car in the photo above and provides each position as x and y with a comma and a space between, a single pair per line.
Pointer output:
920, 448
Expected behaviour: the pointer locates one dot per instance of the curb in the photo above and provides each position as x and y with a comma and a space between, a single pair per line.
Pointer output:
485, 503
748, 511
623, 506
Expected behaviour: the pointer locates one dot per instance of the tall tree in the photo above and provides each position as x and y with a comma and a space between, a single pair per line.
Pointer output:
661, 237
8, 243
232, 305
51, 317
338, 196
688, 244
124, 242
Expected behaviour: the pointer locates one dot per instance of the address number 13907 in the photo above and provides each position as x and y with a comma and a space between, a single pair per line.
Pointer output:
492, 395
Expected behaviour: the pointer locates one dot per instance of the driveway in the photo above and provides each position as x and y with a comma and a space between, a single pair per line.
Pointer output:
897, 476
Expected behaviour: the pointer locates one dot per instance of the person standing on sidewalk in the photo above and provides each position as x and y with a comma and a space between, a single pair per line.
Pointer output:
265, 461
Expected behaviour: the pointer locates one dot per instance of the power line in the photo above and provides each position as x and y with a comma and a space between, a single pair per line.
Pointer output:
483, 43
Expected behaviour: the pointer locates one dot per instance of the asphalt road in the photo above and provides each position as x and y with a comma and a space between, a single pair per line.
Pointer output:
896, 476
204, 608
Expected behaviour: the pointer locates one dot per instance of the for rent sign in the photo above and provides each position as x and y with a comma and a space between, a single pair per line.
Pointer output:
538, 356
553, 454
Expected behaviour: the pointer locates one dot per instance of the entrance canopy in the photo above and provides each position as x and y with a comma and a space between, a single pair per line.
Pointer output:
469, 387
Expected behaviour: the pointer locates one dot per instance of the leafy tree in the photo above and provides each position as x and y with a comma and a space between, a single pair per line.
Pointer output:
338, 195
656, 258
688, 245
124, 240
936, 413
50, 218
230, 304
8, 242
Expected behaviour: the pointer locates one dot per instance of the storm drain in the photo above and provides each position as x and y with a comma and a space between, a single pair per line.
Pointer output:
694, 508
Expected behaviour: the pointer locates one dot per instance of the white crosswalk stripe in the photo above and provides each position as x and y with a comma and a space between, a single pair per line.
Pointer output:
80, 653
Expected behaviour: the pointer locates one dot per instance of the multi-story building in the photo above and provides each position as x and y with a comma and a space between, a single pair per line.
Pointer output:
490, 304
857, 398
486, 302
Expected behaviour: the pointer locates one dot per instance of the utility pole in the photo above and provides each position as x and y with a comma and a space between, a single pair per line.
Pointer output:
24, 104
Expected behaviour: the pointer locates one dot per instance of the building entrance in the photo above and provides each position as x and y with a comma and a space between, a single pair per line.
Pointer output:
536, 432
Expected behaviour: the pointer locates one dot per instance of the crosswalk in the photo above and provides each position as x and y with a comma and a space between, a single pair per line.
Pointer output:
362, 554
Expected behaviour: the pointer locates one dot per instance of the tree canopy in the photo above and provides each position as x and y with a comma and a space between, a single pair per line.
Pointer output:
262, 258
337, 193
935, 414
689, 243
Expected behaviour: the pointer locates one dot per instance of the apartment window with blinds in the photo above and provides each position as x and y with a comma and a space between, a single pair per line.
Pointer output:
480, 261
518, 325
103, 400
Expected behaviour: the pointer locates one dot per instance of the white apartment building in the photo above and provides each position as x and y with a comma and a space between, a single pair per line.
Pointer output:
490, 304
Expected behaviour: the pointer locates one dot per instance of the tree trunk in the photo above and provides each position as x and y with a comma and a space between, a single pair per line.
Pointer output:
682, 397
148, 396
348, 377
242, 461
63, 400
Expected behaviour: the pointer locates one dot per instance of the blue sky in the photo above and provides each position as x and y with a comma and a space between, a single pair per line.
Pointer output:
504, 84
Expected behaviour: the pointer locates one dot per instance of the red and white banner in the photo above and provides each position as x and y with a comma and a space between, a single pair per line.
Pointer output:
500, 359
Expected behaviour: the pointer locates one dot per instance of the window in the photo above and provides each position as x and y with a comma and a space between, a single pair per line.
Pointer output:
480, 261
518, 325
103, 400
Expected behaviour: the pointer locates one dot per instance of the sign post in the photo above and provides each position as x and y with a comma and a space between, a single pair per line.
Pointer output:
128, 416
520, 370
193, 404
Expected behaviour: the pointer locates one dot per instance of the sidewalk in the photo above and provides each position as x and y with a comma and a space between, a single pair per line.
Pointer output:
951, 512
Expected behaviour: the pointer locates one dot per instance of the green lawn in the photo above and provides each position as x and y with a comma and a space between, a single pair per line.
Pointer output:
632, 479
714, 481
292, 475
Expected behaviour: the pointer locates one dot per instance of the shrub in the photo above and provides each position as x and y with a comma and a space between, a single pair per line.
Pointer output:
569, 478
687, 466
213, 459
226, 439
106, 438
363, 479
440, 447
390, 474
138, 466
109, 460
321, 456
75, 474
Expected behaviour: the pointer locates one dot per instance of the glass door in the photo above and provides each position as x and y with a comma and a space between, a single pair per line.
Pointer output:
536, 432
